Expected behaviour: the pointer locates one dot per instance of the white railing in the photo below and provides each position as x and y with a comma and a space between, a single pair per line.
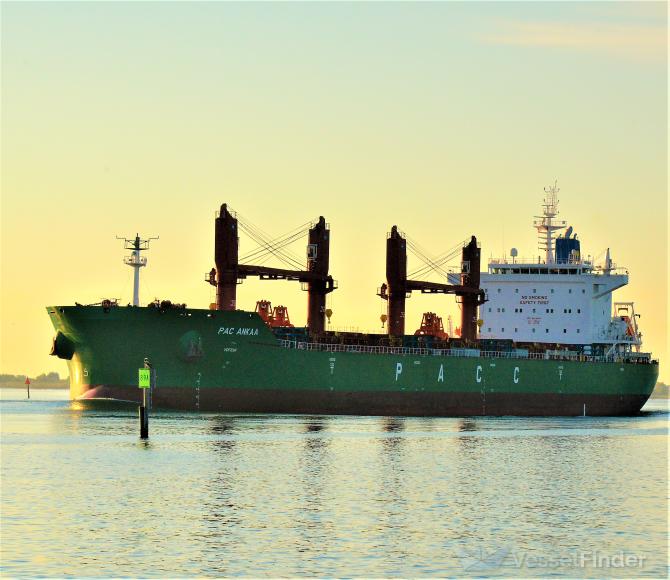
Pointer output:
552, 268
458, 353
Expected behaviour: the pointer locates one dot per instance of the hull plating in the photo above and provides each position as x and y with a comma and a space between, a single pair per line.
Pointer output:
231, 362
319, 402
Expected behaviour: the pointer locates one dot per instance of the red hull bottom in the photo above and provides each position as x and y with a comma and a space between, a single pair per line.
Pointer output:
407, 404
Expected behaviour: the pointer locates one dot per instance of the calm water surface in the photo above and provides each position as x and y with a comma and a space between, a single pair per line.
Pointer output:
225, 495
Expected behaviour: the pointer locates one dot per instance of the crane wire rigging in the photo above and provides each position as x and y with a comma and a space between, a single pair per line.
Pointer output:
268, 246
436, 263
277, 243
266, 243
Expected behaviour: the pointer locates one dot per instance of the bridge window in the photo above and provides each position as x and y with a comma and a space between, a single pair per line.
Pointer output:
565, 330
546, 330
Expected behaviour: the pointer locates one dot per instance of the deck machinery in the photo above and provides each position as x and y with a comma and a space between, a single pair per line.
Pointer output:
397, 287
229, 272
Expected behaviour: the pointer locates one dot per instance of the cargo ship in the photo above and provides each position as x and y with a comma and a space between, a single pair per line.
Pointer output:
539, 337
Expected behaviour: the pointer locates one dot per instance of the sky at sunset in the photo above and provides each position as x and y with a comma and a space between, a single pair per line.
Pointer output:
447, 119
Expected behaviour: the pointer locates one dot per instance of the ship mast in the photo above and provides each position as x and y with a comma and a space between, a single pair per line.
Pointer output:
136, 261
546, 224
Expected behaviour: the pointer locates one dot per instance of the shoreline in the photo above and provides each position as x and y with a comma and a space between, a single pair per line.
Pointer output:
34, 387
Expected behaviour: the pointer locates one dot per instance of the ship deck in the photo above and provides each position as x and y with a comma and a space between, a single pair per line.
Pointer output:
630, 358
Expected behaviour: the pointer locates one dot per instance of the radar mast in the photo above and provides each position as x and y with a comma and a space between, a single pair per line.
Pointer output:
135, 260
546, 224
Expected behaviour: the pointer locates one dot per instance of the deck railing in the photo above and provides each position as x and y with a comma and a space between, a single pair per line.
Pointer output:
460, 353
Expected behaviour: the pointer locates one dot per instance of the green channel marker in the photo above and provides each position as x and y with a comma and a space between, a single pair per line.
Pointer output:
144, 378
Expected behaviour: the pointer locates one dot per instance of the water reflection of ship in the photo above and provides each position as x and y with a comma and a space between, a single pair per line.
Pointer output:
393, 487
467, 425
393, 424
316, 525
82, 417
315, 423
225, 427
468, 443
220, 510
314, 456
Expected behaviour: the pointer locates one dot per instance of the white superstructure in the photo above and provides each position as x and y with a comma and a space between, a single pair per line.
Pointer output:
560, 298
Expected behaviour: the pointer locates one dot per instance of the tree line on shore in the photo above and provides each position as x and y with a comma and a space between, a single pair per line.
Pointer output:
662, 391
45, 381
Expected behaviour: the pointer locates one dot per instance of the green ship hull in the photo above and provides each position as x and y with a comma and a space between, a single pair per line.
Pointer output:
232, 362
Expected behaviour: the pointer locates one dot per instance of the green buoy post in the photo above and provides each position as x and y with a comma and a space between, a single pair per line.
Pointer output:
144, 383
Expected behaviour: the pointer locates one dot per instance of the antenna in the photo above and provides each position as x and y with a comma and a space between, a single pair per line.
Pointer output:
551, 199
545, 224
135, 260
